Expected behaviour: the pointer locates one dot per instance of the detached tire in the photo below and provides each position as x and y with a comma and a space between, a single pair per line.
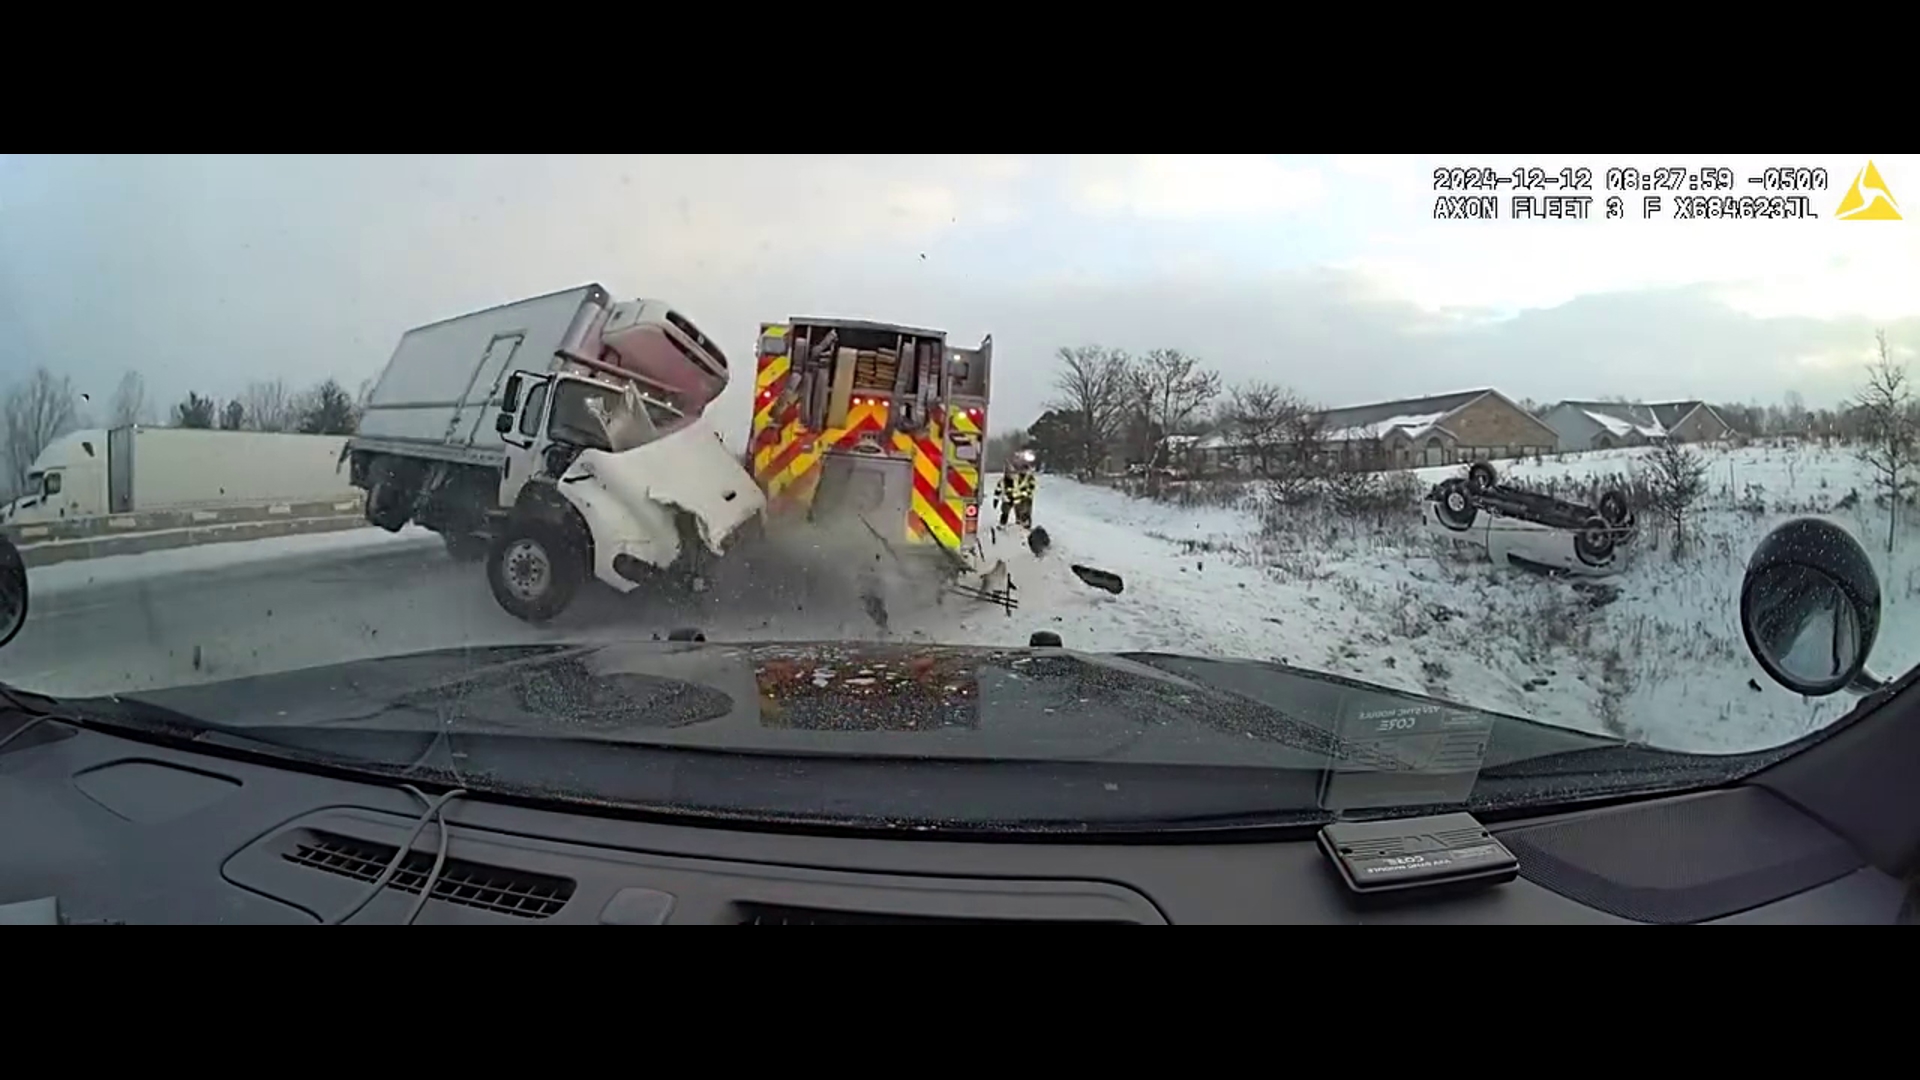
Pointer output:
1594, 542
464, 547
535, 567
1454, 507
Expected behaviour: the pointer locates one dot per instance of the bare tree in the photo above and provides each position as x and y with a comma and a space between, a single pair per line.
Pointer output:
1260, 418
36, 412
1793, 414
1885, 414
233, 416
1676, 480
1168, 389
270, 406
1091, 390
130, 402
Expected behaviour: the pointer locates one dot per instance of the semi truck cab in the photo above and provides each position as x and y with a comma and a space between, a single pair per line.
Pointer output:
67, 480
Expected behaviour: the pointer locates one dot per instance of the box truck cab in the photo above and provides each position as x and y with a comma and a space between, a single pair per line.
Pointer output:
561, 438
606, 481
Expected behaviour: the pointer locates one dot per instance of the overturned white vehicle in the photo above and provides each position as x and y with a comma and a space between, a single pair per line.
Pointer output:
1529, 529
561, 438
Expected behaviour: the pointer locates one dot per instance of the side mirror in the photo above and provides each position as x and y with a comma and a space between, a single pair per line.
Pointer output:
1810, 608
13, 591
503, 423
510, 397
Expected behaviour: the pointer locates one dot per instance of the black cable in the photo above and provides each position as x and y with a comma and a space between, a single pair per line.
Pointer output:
32, 722
432, 813
34, 715
438, 811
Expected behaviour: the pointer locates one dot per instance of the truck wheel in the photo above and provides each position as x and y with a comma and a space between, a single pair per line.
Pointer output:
389, 495
534, 569
464, 547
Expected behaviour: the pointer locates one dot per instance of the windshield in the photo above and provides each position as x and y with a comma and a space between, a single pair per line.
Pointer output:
1495, 437
602, 417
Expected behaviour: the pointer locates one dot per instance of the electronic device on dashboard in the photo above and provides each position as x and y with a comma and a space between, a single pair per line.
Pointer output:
1399, 856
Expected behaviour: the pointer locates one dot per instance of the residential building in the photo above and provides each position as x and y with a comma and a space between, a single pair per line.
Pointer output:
1472, 425
1604, 425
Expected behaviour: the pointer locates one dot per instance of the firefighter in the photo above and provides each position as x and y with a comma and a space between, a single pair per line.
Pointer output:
1014, 494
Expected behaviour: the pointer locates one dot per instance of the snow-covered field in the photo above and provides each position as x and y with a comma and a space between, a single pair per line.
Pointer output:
1655, 655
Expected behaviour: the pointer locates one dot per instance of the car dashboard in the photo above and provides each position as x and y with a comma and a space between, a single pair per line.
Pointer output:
99, 828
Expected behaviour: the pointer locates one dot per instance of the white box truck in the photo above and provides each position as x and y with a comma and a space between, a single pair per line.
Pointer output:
562, 439
140, 470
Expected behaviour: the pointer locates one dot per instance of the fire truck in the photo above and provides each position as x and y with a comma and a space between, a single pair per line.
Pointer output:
875, 423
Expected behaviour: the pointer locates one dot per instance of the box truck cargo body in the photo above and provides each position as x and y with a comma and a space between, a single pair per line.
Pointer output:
134, 470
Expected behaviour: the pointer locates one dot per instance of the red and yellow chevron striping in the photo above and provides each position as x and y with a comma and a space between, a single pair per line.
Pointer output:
786, 456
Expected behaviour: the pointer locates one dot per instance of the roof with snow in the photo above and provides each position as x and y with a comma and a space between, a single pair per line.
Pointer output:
1670, 413
1649, 419
1622, 418
1361, 423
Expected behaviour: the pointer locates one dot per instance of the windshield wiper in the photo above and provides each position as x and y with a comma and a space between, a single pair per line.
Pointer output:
139, 719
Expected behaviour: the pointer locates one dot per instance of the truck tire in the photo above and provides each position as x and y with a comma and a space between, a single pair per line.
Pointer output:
464, 547
390, 494
535, 567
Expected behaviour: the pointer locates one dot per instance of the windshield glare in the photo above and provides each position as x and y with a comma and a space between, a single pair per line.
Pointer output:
1497, 439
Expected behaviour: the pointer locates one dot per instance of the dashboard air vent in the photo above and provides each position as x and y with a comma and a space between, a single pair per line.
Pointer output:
489, 888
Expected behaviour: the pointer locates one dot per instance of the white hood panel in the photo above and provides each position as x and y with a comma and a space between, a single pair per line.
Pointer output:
689, 469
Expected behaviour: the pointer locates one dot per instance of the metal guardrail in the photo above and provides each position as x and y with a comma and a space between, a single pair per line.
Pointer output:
47, 543
155, 520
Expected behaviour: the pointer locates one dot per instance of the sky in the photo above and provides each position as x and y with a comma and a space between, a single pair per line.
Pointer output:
1327, 274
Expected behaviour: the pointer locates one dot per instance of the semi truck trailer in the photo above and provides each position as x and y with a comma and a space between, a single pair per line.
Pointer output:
134, 470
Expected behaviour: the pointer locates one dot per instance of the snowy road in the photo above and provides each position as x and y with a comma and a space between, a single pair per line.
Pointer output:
145, 621
229, 610
1660, 660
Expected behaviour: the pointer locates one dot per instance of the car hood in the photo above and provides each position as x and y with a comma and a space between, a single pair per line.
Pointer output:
858, 699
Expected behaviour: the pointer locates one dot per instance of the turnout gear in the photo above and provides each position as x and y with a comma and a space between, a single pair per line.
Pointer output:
1013, 496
